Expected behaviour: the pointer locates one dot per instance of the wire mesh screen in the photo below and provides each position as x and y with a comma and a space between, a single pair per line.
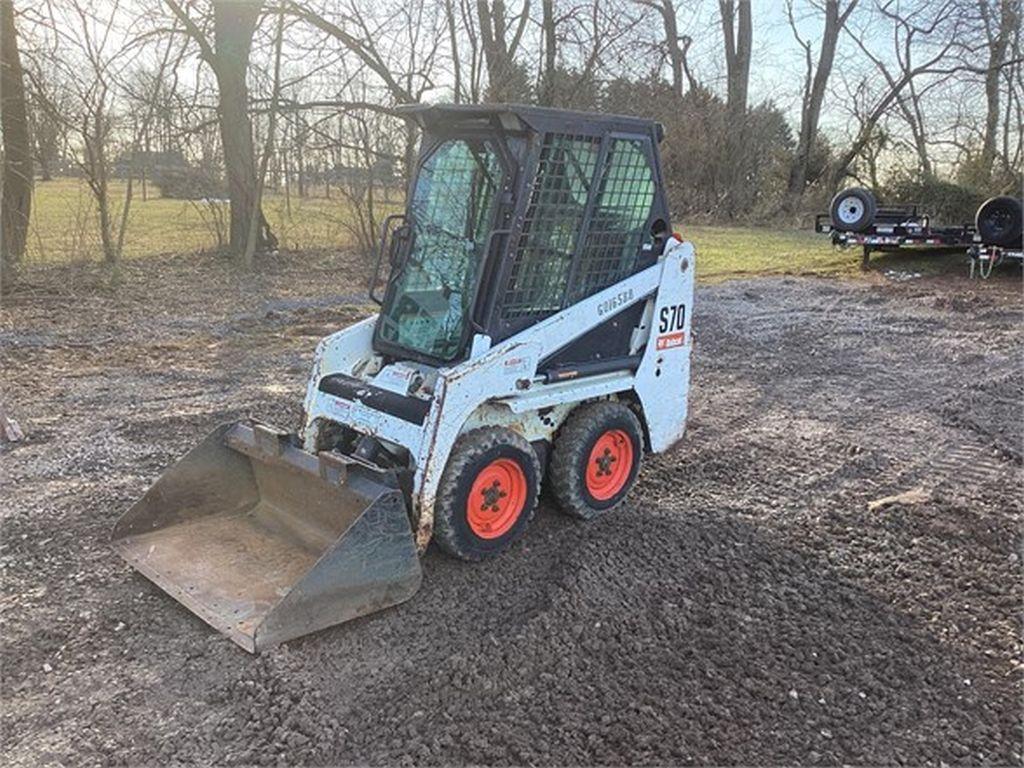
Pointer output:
552, 224
611, 245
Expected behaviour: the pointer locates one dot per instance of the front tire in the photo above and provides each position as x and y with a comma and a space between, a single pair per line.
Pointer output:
488, 493
596, 458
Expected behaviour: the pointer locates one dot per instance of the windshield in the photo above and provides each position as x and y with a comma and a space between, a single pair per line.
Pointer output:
451, 215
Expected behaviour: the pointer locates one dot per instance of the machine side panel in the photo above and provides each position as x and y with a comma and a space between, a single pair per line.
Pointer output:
663, 378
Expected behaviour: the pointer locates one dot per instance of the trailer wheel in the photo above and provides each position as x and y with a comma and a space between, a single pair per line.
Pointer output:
853, 210
487, 495
999, 222
596, 458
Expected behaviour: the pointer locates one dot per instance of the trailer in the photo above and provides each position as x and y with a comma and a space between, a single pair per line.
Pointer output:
855, 220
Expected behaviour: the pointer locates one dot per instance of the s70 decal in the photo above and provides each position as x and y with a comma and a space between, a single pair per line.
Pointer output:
672, 318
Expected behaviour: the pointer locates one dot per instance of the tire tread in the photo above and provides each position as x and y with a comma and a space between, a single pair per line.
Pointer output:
574, 435
468, 448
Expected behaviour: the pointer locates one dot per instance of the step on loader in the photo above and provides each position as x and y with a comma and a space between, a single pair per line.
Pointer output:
534, 326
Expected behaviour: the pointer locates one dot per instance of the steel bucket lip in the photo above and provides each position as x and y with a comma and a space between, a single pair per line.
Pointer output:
370, 546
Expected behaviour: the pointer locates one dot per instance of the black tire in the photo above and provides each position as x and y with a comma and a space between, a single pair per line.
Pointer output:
571, 456
853, 210
473, 453
998, 222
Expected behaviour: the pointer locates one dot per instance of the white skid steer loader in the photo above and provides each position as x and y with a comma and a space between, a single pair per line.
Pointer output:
535, 324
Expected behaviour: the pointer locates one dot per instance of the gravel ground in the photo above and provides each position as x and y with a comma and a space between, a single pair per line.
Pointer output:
744, 605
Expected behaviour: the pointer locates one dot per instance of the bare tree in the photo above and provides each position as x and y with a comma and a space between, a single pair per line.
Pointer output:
1013, 137
910, 105
452, 29
999, 33
549, 26
575, 40
676, 46
815, 85
49, 137
17, 159
501, 37
407, 72
738, 34
933, 29
255, 214
234, 24
89, 76
360, 41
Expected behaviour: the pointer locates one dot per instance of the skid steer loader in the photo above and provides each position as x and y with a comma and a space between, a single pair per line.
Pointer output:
534, 324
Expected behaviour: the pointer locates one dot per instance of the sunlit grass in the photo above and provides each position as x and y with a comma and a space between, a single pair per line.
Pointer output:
64, 228
725, 253
64, 225
730, 252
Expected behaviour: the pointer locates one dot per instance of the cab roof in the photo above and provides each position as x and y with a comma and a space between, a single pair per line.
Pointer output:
527, 118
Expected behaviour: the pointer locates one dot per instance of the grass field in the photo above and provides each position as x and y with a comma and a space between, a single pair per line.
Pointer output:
64, 228
64, 223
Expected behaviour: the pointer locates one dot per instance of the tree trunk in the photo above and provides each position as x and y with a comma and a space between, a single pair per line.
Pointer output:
737, 30
101, 188
17, 165
300, 155
1008, 21
547, 91
814, 98
738, 44
233, 25
492, 32
498, 47
453, 41
910, 107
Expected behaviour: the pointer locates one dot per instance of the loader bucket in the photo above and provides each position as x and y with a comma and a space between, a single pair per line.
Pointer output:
266, 542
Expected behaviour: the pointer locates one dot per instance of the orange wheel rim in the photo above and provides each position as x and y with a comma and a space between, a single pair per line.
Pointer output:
496, 499
609, 465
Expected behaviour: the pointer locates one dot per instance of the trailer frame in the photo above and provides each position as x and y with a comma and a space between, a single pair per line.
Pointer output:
897, 227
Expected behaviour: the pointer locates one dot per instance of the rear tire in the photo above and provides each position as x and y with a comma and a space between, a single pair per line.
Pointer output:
998, 222
487, 495
596, 458
853, 210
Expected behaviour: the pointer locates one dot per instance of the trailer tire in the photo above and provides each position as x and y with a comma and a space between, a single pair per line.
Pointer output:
596, 458
487, 495
853, 210
998, 222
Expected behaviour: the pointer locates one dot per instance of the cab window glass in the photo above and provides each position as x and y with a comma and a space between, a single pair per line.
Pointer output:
451, 218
